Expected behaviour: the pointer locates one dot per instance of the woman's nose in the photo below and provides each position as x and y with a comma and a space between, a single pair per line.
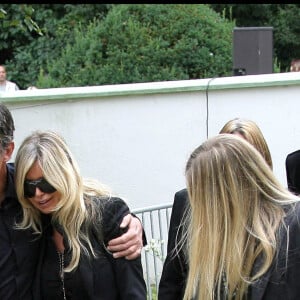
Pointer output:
38, 192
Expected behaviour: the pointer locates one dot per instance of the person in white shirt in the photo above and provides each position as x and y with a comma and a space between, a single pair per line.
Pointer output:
6, 85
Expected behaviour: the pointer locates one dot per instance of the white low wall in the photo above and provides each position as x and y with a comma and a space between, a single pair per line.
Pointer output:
137, 137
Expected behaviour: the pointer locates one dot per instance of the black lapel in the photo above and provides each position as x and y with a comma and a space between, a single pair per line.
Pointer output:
259, 287
277, 269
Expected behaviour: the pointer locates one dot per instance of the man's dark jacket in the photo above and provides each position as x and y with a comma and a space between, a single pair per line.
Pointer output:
18, 248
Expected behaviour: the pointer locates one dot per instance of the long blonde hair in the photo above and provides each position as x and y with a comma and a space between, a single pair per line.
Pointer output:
237, 206
61, 170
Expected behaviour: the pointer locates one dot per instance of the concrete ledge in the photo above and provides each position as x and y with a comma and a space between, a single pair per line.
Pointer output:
219, 83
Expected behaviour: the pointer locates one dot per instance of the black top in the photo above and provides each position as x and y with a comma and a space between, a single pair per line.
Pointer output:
175, 268
95, 278
18, 248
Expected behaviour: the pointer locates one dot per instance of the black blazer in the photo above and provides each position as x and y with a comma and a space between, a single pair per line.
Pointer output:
97, 278
280, 282
174, 273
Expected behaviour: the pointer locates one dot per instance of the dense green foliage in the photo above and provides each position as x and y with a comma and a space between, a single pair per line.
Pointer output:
27, 52
16, 25
51, 45
143, 43
17, 28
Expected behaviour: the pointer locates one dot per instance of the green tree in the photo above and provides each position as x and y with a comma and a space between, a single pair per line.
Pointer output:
29, 56
286, 34
34, 36
17, 27
142, 43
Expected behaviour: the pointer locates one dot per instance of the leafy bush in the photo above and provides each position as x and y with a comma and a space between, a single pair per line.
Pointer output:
142, 43
30, 55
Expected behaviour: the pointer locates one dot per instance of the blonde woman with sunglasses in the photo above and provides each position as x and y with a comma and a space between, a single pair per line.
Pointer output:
75, 219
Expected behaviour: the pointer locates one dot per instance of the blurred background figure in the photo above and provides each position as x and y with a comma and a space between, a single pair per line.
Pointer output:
6, 85
295, 65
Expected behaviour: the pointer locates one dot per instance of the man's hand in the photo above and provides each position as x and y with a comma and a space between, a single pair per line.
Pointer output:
130, 243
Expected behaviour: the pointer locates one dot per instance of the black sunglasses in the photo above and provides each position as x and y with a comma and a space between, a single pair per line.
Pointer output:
31, 185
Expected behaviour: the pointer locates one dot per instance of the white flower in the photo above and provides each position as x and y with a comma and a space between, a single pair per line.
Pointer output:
155, 246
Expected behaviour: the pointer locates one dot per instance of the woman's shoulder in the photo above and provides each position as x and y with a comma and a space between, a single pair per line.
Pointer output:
106, 214
292, 218
108, 202
113, 210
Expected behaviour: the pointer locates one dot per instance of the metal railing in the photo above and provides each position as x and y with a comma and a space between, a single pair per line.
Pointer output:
156, 221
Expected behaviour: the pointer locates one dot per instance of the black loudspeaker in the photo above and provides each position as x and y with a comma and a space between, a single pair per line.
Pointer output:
252, 50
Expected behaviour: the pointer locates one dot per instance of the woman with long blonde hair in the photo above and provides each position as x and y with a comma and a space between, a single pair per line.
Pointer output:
243, 237
174, 273
75, 218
